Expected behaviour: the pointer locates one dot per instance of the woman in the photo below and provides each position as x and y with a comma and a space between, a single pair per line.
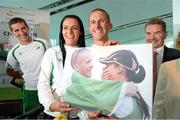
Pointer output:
50, 84
122, 65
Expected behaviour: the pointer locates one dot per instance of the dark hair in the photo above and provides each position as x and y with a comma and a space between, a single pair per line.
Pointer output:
128, 60
16, 20
141, 102
100, 9
157, 21
139, 73
81, 41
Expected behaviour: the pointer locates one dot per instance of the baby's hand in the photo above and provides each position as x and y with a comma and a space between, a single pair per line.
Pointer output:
106, 75
131, 89
111, 42
93, 114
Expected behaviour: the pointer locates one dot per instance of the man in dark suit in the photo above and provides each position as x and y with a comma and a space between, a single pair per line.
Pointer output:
170, 54
156, 34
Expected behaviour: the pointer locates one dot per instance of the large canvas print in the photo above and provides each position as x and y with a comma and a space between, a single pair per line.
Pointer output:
115, 80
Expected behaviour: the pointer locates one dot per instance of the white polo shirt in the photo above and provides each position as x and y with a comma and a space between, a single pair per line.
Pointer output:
29, 58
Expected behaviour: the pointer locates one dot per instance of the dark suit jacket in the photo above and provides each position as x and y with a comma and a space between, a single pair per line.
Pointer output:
170, 54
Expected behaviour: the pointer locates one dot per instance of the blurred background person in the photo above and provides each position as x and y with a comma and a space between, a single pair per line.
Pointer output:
166, 102
178, 41
27, 54
156, 34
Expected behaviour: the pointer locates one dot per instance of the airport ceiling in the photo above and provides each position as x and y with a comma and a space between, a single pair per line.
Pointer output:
31, 4
128, 16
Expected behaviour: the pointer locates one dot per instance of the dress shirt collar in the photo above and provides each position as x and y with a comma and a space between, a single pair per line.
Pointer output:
160, 50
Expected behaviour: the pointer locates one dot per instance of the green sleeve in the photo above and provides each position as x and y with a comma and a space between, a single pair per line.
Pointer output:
91, 95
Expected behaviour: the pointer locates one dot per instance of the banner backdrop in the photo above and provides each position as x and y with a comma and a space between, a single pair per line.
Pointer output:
85, 88
38, 21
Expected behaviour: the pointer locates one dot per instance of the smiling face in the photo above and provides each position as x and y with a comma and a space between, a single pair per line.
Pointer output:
21, 31
99, 25
71, 31
155, 35
81, 61
84, 63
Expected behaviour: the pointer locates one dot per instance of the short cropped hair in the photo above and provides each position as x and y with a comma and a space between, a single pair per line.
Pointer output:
16, 20
157, 21
99, 9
